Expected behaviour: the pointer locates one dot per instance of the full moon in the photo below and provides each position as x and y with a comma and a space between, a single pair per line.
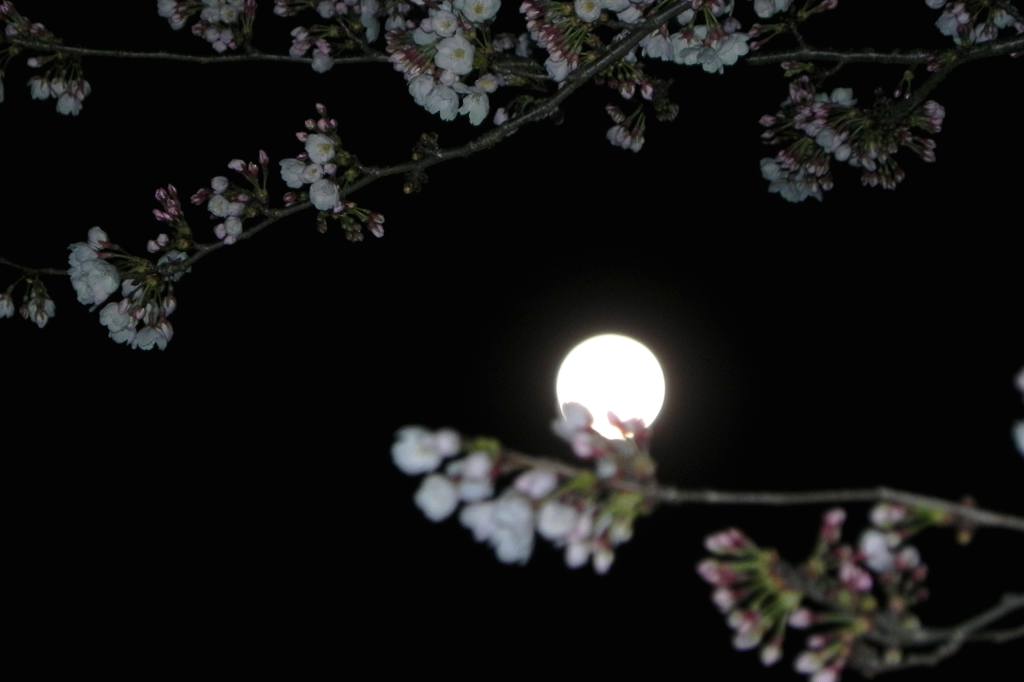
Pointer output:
612, 373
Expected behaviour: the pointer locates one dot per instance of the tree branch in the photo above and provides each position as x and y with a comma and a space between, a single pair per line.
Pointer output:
54, 272
949, 641
248, 57
275, 216
972, 628
678, 496
996, 48
485, 141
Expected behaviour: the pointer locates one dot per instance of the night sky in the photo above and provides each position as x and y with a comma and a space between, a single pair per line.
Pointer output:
235, 494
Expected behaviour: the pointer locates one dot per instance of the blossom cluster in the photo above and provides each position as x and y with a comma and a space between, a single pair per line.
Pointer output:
712, 45
224, 24
147, 297
816, 129
232, 204
62, 79
438, 54
839, 594
766, 9
972, 22
36, 306
507, 503
323, 41
322, 170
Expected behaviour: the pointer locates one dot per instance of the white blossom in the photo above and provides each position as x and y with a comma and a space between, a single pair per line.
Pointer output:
513, 534
119, 322
732, 47
326, 9
876, 547
588, 10
218, 205
474, 476
151, 337
506, 524
6, 306
94, 279
536, 483
421, 37
322, 62
420, 87
488, 82
557, 69
769, 8
475, 105
39, 310
291, 172
478, 11
1018, 436
842, 97
69, 105
436, 497
556, 520
368, 18
443, 101
418, 451
39, 88
324, 195
320, 148
455, 54
443, 22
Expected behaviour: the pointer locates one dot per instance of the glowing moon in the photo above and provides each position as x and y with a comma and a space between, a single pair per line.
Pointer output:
612, 373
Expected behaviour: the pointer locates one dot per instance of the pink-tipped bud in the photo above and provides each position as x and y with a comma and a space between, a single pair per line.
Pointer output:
801, 619
200, 197
264, 159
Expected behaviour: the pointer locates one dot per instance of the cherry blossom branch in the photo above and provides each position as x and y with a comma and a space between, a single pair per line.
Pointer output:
950, 640
55, 272
273, 217
678, 496
997, 48
248, 57
485, 141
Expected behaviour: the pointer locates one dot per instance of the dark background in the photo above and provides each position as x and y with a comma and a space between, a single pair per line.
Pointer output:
234, 495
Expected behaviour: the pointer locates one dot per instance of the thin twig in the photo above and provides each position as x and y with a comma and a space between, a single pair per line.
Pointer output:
54, 272
274, 217
996, 48
678, 496
949, 641
248, 57
489, 139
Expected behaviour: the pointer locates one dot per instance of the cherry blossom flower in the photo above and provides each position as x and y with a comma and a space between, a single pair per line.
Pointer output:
436, 497
419, 451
